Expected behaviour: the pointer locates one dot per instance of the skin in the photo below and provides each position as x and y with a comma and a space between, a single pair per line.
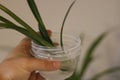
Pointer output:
20, 65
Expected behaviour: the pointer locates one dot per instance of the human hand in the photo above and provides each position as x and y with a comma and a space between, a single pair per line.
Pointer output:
20, 65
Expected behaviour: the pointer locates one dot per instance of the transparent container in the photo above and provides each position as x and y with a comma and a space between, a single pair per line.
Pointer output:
68, 57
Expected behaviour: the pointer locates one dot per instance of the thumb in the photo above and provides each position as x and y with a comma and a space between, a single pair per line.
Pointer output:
42, 65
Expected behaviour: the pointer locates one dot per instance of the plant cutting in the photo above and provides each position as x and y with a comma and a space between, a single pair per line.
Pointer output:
58, 47
26, 29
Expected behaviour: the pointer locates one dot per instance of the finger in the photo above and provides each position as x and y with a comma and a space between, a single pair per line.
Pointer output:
39, 77
36, 76
33, 76
25, 42
42, 65
22, 49
48, 31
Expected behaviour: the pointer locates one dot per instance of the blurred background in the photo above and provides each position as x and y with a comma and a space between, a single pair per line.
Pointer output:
88, 17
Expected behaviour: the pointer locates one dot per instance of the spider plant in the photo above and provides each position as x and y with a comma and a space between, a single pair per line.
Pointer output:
43, 39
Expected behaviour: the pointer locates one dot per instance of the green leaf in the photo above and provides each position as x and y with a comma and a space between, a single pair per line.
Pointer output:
66, 15
19, 29
11, 25
77, 75
5, 20
44, 34
41, 25
105, 72
28, 28
20, 21
15, 17
89, 54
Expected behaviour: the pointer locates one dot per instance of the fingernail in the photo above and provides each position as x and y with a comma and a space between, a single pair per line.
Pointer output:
37, 71
56, 64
